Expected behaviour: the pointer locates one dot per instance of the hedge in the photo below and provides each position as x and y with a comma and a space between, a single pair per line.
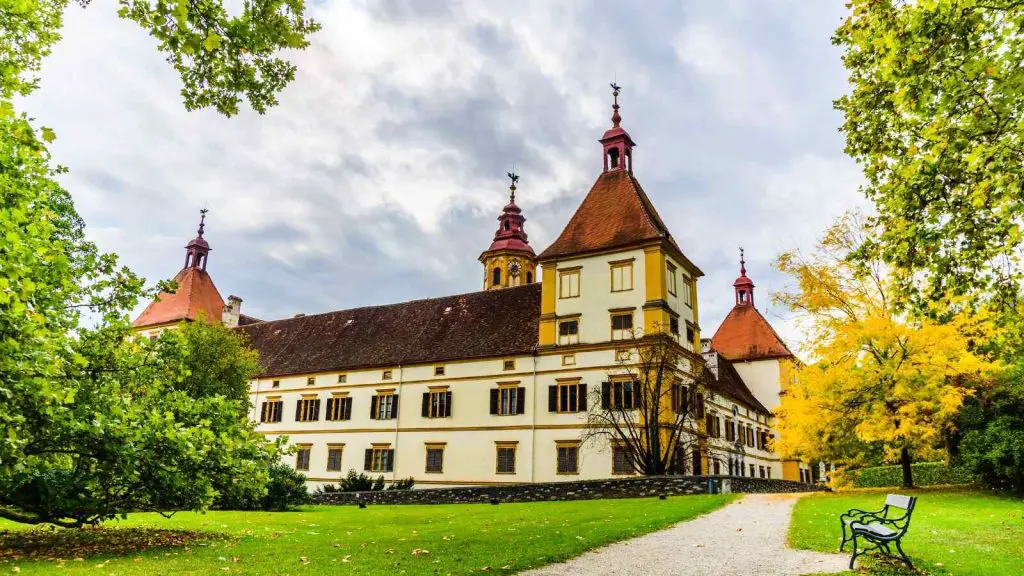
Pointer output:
924, 473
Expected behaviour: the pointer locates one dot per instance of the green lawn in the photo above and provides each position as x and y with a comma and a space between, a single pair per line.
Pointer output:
456, 539
952, 531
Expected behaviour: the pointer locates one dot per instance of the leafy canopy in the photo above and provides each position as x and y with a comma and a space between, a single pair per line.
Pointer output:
879, 381
935, 116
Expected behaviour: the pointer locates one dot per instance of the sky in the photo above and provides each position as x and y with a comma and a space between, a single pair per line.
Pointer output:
380, 176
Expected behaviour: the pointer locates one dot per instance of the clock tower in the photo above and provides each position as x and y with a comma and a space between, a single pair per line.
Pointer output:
509, 261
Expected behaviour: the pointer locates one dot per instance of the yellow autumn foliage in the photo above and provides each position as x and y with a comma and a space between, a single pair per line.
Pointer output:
879, 380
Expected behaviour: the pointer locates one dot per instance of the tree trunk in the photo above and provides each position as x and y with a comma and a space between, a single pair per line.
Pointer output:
908, 476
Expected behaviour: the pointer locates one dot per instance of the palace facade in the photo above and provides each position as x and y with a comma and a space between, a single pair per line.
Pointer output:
491, 387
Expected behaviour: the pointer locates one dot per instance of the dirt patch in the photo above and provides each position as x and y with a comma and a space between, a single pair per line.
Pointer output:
69, 544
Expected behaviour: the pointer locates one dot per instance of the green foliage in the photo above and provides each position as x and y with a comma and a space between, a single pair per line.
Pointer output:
992, 434
404, 484
361, 482
935, 117
925, 474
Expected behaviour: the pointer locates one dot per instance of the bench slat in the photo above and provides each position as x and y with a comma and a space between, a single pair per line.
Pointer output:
897, 501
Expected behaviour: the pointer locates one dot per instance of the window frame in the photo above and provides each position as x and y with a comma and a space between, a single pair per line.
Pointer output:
377, 405
307, 409
342, 378
570, 447
331, 449
569, 339
303, 449
508, 365
439, 370
310, 380
339, 407
670, 278
688, 290
628, 469
508, 399
387, 375
277, 404
438, 403
382, 458
623, 333
562, 392
565, 291
434, 447
616, 390
506, 445
620, 267
568, 359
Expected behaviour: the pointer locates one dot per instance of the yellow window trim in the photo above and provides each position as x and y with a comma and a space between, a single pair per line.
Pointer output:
623, 261
385, 391
506, 443
509, 383
570, 269
435, 444
380, 445
569, 379
335, 445
339, 394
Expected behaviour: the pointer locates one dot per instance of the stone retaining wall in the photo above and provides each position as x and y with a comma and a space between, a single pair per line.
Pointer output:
637, 487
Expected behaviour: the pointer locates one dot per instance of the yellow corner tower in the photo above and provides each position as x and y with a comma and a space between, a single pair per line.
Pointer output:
509, 261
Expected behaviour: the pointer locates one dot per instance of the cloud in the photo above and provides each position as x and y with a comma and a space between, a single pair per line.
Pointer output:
380, 175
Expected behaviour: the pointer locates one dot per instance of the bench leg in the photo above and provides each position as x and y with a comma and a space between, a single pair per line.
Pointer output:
904, 555
842, 525
854, 557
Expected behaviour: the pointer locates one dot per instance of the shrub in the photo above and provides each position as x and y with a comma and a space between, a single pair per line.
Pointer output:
361, 482
405, 484
286, 489
992, 429
925, 474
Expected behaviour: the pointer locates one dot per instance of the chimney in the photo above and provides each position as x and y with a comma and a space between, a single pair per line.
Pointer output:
232, 310
711, 360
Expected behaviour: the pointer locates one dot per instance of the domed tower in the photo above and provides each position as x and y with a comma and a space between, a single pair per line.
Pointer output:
510, 260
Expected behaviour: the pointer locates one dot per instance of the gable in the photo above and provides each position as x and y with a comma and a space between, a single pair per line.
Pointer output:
745, 335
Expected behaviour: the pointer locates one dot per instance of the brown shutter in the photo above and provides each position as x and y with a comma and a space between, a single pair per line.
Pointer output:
368, 459
447, 404
346, 405
298, 409
394, 413
316, 409
583, 397
373, 407
494, 400
521, 401
553, 398
426, 404
606, 395
391, 461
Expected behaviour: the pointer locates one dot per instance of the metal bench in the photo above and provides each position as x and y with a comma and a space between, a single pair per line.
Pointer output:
880, 528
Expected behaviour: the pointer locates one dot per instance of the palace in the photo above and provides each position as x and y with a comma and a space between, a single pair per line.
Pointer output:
493, 385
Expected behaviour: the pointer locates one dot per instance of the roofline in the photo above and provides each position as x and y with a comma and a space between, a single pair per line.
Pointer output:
531, 352
697, 272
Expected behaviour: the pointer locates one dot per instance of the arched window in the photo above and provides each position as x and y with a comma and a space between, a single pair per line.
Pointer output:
743, 296
613, 158
496, 277
507, 226
529, 277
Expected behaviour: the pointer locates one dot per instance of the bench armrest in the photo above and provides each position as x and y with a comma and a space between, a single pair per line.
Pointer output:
854, 512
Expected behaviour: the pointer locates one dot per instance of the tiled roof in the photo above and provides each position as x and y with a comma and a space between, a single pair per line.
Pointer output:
616, 212
244, 320
746, 335
196, 296
477, 325
731, 384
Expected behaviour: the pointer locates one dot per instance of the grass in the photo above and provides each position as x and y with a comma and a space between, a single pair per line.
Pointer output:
451, 539
952, 531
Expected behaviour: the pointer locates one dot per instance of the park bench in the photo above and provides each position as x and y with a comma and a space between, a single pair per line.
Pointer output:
880, 528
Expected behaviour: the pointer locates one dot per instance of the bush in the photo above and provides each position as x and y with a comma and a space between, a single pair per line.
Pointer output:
286, 489
405, 484
361, 482
992, 434
925, 474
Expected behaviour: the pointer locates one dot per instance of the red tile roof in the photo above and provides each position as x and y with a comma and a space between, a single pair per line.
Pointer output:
746, 335
196, 297
490, 323
616, 212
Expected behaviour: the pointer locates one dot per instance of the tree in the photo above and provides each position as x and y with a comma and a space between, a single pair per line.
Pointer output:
96, 422
650, 406
879, 378
935, 116
991, 432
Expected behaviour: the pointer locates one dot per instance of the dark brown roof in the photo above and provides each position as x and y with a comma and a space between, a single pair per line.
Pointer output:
196, 296
746, 335
731, 384
476, 325
616, 212
245, 320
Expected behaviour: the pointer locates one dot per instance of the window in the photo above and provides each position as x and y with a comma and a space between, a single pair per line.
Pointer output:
508, 400
307, 409
569, 283
760, 470
435, 458
302, 457
310, 381
751, 470
506, 458
623, 355
768, 469
622, 276
622, 326
688, 291
750, 436
621, 462
568, 458
384, 406
713, 425
438, 370
670, 278
618, 394
568, 332
496, 277
271, 410
730, 430
529, 277
690, 335
567, 397
379, 458
334, 452
673, 325
717, 466
342, 378
508, 365
680, 398
700, 405
698, 464
275, 384
386, 375
568, 359
339, 407
437, 403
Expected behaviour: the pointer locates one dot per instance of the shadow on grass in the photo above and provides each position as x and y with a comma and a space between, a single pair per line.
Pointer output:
60, 543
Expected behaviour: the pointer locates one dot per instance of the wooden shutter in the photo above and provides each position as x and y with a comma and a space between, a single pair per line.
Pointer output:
329, 415
494, 400
298, 409
426, 404
394, 413
521, 401
263, 413
553, 398
583, 397
606, 395
391, 460
347, 406
368, 459
316, 409
373, 407
447, 404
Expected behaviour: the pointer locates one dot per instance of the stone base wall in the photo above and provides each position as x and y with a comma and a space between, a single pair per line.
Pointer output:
637, 487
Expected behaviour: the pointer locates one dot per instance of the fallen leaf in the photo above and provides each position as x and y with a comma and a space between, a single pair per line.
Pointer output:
347, 558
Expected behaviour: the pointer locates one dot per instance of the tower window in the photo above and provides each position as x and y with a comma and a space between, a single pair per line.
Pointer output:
507, 226
613, 158
529, 277
496, 277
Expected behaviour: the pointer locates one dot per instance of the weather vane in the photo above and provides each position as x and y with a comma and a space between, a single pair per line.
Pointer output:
514, 178
202, 220
615, 89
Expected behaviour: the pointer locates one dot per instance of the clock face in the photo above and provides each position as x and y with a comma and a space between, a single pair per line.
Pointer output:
513, 267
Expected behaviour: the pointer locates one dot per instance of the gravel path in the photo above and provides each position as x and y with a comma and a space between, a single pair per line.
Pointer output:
743, 538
